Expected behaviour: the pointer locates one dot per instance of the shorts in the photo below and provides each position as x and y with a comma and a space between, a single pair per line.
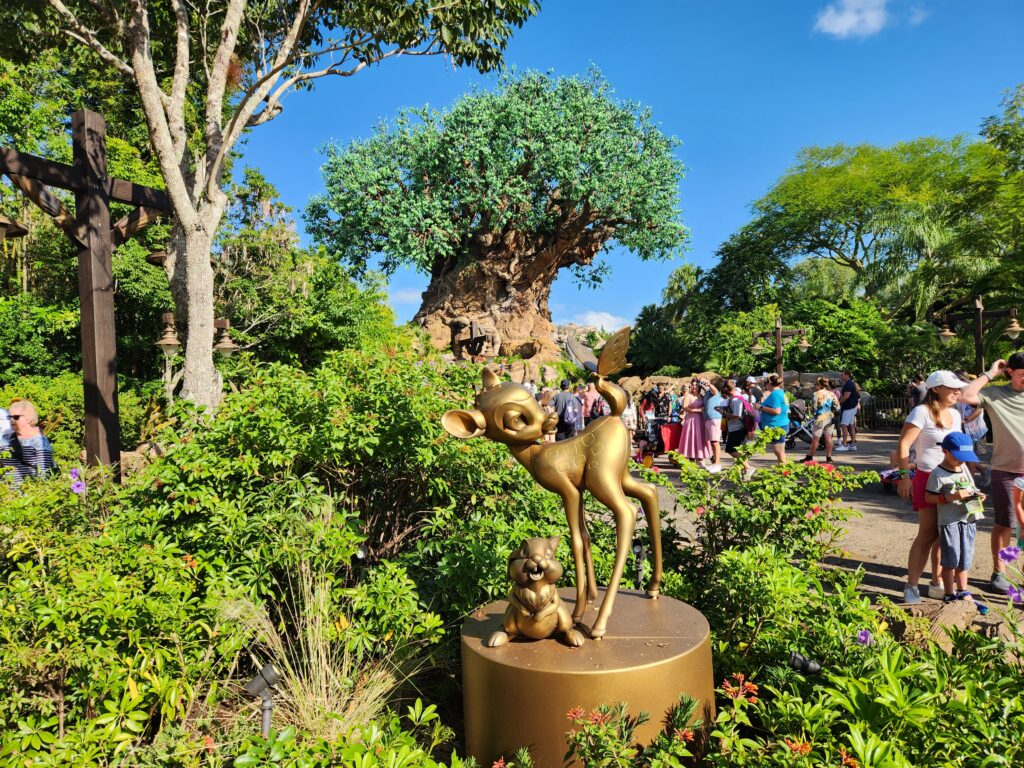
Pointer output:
734, 440
713, 430
917, 498
956, 543
777, 440
1002, 496
822, 430
849, 416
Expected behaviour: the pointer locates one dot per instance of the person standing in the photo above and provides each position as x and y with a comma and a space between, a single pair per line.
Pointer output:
916, 391
629, 420
849, 400
692, 444
712, 423
6, 430
569, 412
735, 430
755, 395
826, 406
590, 397
924, 430
775, 414
1005, 408
31, 453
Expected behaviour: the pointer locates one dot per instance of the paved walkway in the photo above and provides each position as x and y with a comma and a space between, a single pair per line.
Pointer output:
880, 539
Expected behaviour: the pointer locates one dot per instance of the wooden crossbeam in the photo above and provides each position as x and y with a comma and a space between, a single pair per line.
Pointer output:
132, 224
68, 177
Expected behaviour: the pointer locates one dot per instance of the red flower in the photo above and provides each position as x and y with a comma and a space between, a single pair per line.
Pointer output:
655, 469
686, 734
798, 747
208, 741
828, 467
838, 476
599, 718
190, 561
741, 690
811, 463
848, 760
699, 511
785, 473
576, 713
499, 763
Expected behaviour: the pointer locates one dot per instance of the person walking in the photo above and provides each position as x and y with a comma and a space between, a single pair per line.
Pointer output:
1005, 408
916, 390
736, 430
590, 397
629, 420
826, 406
775, 415
569, 410
924, 430
692, 443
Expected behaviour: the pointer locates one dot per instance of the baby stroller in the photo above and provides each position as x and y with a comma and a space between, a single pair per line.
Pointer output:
649, 442
800, 427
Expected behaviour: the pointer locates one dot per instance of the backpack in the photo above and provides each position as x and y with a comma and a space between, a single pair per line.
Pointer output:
749, 422
572, 416
603, 409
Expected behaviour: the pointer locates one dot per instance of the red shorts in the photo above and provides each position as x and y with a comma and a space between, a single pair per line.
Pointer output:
920, 481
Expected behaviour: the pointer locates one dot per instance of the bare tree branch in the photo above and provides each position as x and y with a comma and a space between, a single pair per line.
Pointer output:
176, 106
217, 84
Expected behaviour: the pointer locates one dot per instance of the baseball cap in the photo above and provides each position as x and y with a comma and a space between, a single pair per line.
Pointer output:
944, 379
960, 446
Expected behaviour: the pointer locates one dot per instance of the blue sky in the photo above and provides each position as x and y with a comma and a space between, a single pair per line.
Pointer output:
743, 84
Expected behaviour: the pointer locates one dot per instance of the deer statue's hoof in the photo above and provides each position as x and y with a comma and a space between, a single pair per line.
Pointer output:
496, 639
653, 592
597, 632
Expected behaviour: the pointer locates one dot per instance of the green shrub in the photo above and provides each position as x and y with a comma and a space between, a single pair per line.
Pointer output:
36, 339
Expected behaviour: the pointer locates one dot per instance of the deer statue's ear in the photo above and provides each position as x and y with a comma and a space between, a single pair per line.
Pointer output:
490, 379
463, 424
553, 542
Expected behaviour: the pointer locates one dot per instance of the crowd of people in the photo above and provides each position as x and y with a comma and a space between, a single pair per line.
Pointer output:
24, 450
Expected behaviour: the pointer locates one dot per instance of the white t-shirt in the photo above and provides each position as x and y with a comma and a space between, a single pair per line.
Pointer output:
928, 446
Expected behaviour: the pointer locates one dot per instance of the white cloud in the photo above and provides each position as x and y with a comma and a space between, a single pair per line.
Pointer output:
918, 14
852, 18
406, 296
605, 320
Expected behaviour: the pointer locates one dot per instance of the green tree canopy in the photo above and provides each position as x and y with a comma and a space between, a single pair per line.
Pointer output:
497, 194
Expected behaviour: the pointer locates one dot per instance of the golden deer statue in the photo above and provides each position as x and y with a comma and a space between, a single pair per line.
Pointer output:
595, 460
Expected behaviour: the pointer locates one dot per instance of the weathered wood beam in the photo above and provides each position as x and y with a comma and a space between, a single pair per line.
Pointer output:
132, 224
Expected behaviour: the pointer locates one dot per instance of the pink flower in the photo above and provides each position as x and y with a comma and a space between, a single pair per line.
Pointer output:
576, 713
499, 763
828, 467
699, 511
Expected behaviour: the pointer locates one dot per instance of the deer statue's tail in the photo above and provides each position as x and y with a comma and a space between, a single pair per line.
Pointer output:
613, 360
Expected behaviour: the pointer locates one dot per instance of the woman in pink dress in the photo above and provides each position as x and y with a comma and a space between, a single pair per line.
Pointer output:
692, 442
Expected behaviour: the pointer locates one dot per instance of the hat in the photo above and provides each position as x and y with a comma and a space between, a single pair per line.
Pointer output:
751, 379
944, 379
960, 446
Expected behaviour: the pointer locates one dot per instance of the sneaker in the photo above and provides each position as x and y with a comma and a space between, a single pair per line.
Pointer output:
911, 594
841, 448
714, 469
852, 447
950, 598
936, 591
749, 473
806, 459
999, 583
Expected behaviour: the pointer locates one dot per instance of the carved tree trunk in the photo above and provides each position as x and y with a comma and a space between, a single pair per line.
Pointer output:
506, 287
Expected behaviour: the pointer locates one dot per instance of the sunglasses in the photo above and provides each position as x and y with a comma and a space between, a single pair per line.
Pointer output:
15, 417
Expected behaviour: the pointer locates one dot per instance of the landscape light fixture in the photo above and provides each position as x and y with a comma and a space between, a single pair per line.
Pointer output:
169, 343
801, 663
756, 348
946, 336
224, 346
11, 229
1014, 329
262, 685
803, 345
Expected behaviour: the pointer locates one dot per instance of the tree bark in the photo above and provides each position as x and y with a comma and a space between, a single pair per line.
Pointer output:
506, 292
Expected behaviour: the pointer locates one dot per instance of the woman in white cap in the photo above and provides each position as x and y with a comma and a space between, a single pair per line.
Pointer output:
924, 430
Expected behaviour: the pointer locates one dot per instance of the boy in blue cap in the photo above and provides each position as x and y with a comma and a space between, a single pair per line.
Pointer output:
951, 487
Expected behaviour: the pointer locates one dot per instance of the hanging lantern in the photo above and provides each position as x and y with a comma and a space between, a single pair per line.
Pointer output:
1013, 329
169, 343
946, 336
803, 345
224, 346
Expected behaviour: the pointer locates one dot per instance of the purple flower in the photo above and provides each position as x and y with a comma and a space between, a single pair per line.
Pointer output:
78, 487
1009, 554
74, 474
1016, 595
864, 637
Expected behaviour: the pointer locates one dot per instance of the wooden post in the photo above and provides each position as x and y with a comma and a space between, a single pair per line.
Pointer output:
96, 292
778, 346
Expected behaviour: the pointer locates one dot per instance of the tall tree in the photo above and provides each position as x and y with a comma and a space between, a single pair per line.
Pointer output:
494, 197
204, 73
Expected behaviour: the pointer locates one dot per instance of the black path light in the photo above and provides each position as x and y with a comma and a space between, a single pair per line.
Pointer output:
95, 238
782, 336
262, 686
984, 319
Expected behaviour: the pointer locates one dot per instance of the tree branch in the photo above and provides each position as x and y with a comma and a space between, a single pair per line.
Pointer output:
80, 32
217, 84
179, 84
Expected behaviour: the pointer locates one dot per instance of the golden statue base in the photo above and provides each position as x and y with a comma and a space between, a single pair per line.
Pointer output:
518, 694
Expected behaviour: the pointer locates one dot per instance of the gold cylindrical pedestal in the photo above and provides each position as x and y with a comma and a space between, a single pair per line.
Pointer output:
517, 695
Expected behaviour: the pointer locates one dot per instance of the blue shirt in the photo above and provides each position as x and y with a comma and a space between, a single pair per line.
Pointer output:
711, 403
776, 399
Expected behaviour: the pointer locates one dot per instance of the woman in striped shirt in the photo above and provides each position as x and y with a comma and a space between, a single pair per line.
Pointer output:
31, 453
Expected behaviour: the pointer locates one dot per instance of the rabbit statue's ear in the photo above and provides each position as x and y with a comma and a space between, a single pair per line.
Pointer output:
553, 542
491, 379
463, 424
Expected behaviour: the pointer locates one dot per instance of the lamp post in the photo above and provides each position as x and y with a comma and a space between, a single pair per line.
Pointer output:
169, 345
782, 337
984, 319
